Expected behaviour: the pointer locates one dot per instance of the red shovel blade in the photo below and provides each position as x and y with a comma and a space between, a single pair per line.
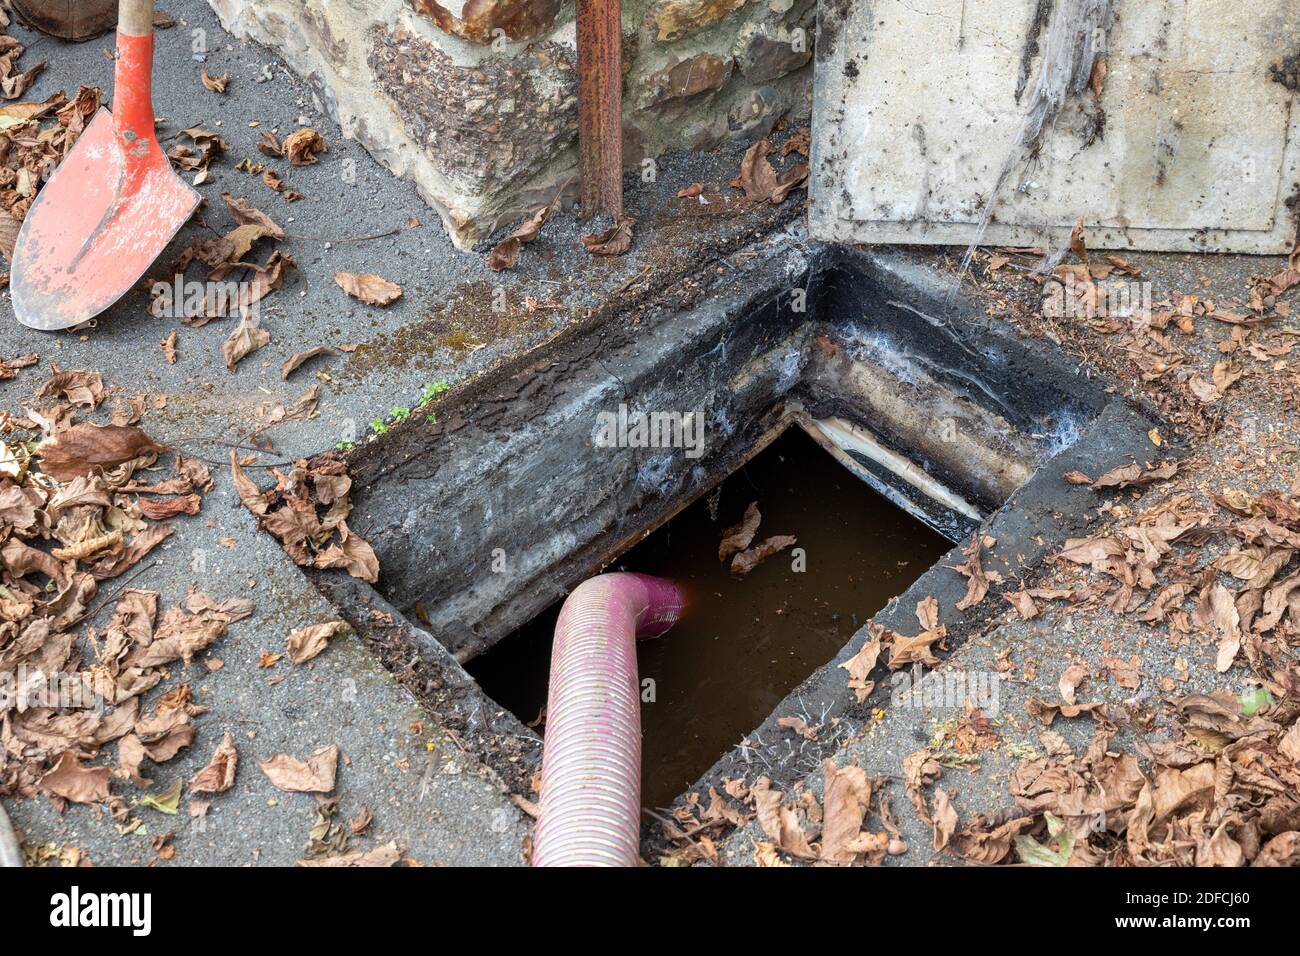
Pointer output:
105, 215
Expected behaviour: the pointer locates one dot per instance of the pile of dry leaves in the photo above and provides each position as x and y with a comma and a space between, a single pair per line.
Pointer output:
827, 832
79, 506
307, 511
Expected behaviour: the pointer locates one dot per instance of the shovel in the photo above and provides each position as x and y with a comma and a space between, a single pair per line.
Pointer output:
110, 208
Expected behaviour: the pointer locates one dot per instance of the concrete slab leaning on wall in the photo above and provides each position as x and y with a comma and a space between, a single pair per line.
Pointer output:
1165, 124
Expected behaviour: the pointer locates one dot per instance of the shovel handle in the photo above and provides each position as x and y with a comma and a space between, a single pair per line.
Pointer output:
135, 17
132, 86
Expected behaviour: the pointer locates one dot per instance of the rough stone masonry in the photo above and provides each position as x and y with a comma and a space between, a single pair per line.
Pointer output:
476, 100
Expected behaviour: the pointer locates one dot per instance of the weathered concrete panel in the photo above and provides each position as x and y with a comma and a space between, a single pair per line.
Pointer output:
1191, 143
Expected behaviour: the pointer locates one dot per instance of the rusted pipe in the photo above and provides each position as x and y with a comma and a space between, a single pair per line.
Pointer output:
600, 106
590, 810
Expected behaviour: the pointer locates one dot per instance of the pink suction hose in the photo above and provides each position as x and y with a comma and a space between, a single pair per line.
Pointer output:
590, 813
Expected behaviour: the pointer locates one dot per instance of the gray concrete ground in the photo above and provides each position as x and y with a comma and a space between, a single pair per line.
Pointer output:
439, 806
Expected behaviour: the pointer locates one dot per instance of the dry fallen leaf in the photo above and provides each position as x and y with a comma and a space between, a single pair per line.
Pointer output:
614, 241
385, 855
71, 781
86, 447
307, 642
504, 253
219, 774
760, 180
216, 84
246, 339
315, 775
369, 288
301, 146
298, 358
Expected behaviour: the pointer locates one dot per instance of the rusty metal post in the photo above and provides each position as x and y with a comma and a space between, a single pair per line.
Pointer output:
600, 106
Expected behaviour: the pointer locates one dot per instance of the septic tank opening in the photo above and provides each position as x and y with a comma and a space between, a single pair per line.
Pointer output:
744, 642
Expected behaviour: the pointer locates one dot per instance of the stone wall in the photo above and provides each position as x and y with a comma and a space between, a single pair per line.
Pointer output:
476, 100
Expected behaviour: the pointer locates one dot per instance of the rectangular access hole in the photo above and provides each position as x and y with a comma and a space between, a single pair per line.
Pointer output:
743, 643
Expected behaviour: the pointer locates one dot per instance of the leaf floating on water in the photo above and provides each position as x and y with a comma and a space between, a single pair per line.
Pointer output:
738, 537
751, 558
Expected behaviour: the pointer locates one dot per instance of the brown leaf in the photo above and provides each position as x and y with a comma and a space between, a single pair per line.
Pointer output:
165, 734
246, 339
71, 781
246, 215
1093, 551
298, 358
759, 179
1024, 604
352, 554
1127, 673
503, 254
1077, 245
846, 801
751, 558
130, 754
215, 84
861, 664
614, 241
1047, 713
738, 537
301, 146
85, 447
1135, 476
1217, 607
268, 145
250, 495
316, 775
160, 510
945, 818
307, 642
779, 822
384, 855
219, 774
1074, 677
977, 583
369, 288
77, 386
917, 649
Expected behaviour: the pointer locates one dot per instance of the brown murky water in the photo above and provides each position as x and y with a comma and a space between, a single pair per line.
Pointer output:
743, 643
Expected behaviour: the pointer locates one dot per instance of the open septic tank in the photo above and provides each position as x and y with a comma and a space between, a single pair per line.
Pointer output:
871, 412
744, 642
